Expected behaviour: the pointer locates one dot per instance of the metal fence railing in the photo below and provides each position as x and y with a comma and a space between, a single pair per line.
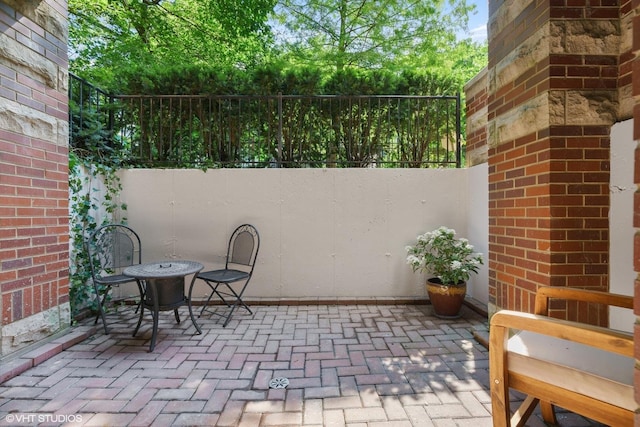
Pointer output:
279, 130
91, 115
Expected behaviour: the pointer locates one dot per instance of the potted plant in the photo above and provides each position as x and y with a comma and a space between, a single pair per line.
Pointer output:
451, 260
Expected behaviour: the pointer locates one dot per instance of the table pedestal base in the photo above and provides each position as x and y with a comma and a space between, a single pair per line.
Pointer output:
171, 297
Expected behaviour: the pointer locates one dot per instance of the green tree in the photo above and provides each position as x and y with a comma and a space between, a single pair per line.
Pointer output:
390, 34
107, 36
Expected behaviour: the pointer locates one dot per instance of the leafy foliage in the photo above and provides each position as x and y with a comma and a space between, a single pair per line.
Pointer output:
441, 253
372, 34
271, 79
340, 119
93, 189
109, 36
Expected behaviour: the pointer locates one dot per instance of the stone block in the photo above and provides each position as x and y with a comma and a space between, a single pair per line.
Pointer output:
525, 119
25, 332
42, 14
477, 121
505, 15
26, 121
591, 107
26, 61
521, 59
591, 37
478, 156
625, 97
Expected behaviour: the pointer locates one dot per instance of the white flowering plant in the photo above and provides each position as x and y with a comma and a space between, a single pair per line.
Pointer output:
441, 253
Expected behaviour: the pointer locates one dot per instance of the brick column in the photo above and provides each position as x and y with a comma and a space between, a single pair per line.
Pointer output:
34, 235
553, 96
476, 92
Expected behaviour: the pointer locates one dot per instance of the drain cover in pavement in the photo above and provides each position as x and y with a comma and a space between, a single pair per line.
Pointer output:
279, 383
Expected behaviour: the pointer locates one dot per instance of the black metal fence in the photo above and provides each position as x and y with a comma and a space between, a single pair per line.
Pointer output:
277, 131
91, 116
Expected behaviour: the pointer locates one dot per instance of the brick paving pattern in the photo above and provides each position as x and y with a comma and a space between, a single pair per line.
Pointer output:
346, 365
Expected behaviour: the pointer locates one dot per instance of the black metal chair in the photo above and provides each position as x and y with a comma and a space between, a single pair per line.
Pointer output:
242, 252
111, 248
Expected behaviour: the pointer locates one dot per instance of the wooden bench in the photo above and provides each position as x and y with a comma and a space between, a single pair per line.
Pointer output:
585, 369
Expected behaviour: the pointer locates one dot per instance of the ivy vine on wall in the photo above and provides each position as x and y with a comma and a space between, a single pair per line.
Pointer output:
94, 186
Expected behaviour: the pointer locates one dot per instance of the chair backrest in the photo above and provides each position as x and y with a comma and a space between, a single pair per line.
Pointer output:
113, 247
244, 244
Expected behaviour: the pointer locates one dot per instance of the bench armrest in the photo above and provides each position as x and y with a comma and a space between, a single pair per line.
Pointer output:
504, 322
544, 293
595, 336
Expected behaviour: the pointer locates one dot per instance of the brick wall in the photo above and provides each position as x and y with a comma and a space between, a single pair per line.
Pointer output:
554, 92
34, 236
558, 77
476, 94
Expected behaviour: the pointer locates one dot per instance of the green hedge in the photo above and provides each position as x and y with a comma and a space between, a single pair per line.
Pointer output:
271, 80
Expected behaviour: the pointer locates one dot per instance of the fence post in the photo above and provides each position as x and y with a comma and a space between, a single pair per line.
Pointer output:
279, 129
112, 122
458, 137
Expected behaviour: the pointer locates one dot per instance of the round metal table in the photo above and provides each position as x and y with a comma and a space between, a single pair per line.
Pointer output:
164, 289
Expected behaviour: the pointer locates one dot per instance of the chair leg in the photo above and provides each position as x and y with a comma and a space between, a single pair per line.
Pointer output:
206, 304
229, 292
100, 307
141, 290
238, 297
228, 319
238, 301
221, 294
190, 305
135, 331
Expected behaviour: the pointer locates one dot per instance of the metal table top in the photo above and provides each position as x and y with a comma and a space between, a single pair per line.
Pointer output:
163, 269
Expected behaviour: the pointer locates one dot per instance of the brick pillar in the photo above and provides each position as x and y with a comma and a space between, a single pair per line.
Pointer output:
476, 94
553, 96
34, 231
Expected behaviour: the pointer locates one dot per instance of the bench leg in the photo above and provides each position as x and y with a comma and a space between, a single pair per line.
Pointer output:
521, 415
548, 413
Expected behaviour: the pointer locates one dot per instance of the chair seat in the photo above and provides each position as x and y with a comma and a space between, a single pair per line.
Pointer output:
223, 276
603, 375
114, 280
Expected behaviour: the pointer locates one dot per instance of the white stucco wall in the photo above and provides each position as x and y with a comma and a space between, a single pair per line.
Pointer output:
621, 274
342, 232
325, 232
478, 227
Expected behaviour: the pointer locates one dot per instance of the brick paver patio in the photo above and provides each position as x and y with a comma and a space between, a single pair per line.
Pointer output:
346, 365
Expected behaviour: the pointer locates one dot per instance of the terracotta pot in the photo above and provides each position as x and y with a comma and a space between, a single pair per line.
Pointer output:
446, 299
